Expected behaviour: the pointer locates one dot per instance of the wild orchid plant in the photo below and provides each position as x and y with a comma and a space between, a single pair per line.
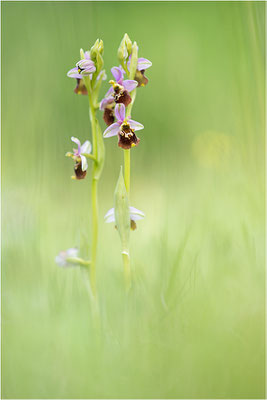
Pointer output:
117, 107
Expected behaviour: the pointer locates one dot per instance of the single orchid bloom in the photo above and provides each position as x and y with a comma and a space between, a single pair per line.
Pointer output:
83, 68
62, 258
142, 65
135, 215
79, 156
70, 258
125, 129
120, 88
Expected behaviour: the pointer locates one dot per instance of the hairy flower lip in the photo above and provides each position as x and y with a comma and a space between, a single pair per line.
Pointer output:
80, 87
109, 116
80, 173
124, 128
141, 78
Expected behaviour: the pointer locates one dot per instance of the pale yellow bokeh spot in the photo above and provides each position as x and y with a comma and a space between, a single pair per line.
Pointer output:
212, 149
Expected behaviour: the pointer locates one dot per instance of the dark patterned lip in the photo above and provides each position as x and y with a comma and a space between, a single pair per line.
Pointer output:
79, 173
127, 137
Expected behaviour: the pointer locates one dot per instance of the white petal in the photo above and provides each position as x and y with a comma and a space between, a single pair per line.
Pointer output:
84, 163
86, 148
72, 252
60, 261
110, 216
112, 130
135, 125
75, 140
136, 214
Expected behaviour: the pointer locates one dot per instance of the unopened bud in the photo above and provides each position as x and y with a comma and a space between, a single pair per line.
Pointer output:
122, 51
101, 46
128, 43
82, 54
134, 60
94, 50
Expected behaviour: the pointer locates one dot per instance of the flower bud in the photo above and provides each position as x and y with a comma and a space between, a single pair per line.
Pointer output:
122, 51
128, 43
99, 62
82, 54
101, 46
94, 50
134, 60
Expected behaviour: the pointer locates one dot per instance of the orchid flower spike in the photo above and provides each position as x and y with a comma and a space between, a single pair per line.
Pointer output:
84, 67
142, 65
125, 129
79, 156
135, 215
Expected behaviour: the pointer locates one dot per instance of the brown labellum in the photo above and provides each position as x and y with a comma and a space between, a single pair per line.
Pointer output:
109, 116
79, 173
80, 87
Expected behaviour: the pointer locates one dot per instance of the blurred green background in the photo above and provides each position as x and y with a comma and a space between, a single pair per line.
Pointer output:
193, 325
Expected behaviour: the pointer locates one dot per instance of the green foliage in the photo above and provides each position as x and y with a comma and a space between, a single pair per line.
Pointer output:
193, 323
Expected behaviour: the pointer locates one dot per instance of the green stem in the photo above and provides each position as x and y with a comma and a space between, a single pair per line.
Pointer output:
92, 269
78, 261
93, 125
127, 270
127, 179
125, 255
94, 235
130, 106
90, 156
127, 169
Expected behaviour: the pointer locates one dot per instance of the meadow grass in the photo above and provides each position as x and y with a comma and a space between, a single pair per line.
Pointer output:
193, 324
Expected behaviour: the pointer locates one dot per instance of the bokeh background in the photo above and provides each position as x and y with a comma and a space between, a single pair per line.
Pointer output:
193, 325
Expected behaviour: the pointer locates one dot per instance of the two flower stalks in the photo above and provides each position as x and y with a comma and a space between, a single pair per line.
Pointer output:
117, 108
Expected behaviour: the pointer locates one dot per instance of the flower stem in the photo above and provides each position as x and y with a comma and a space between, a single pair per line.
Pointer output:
127, 179
127, 169
127, 270
93, 195
94, 235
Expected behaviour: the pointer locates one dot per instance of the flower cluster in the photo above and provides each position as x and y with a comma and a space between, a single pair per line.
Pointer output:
117, 94
89, 74
90, 65
121, 88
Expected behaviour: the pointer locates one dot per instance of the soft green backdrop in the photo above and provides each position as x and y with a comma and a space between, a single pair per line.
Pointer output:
193, 326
